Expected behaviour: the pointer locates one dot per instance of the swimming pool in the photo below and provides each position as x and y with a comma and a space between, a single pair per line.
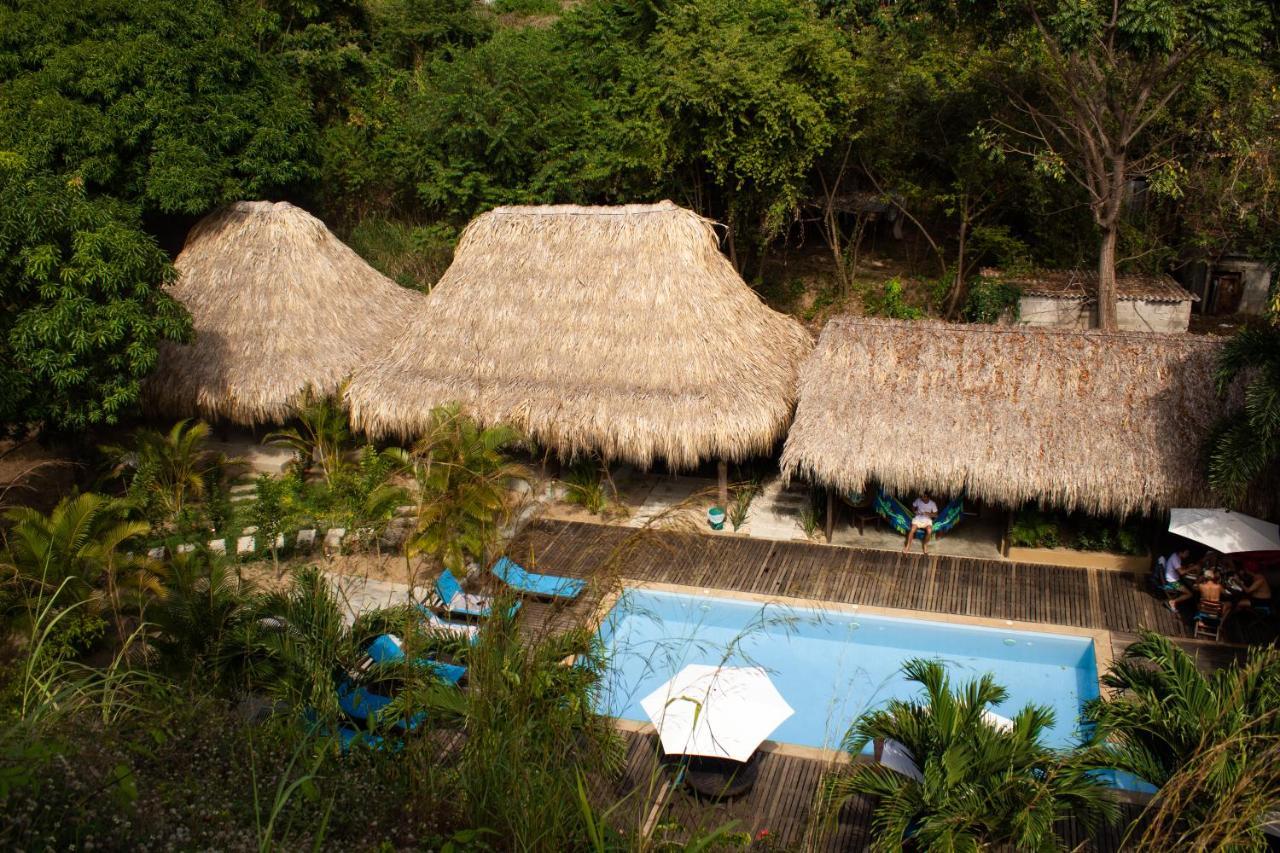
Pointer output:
831, 665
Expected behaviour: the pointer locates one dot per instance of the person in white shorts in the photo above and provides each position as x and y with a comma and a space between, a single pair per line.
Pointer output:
926, 510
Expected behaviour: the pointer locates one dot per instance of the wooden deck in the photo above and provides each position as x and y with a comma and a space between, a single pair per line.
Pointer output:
783, 797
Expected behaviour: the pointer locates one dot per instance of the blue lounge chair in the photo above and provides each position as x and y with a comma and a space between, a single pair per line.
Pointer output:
539, 586
459, 603
387, 648
468, 632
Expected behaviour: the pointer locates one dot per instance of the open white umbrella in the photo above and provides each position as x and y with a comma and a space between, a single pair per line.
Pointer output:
719, 711
1225, 531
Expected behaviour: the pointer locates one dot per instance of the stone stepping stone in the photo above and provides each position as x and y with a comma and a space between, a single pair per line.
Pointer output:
218, 546
306, 538
186, 548
333, 538
156, 553
245, 545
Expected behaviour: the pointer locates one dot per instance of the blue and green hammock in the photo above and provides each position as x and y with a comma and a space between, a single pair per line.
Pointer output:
899, 516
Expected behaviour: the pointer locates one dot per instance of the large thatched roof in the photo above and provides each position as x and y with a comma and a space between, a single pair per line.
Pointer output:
620, 330
1105, 422
278, 303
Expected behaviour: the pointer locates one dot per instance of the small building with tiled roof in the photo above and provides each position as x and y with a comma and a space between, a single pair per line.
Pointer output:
1068, 299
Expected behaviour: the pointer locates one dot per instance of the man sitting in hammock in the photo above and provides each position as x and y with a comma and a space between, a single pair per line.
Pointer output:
926, 511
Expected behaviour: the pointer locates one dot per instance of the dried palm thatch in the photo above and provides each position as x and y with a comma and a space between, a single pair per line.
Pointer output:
278, 304
617, 330
1102, 422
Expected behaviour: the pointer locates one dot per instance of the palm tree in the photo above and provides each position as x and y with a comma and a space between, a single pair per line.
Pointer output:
202, 616
1201, 739
320, 438
1245, 447
76, 547
168, 469
463, 477
979, 785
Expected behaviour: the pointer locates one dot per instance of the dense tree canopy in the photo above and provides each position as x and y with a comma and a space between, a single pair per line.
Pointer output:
795, 123
171, 103
81, 306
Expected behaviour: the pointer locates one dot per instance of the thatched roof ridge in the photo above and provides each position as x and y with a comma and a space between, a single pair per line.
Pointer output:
1107, 422
619, 330
278, 304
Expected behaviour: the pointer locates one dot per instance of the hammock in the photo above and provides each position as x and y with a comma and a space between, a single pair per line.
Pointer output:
899, 517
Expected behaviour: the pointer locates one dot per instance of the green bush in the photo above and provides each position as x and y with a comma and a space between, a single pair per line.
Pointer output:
1035, 529
989, 299
890, 301
415, 256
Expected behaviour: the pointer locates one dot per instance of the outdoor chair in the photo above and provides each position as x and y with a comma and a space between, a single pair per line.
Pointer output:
470, 633
455, 601
1208, 622
387, 648
551, 587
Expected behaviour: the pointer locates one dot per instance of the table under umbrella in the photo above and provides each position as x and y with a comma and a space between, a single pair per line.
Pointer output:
1225, 531
716, 711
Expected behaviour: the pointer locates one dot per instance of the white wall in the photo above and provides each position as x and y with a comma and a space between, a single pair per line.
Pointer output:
1131, 315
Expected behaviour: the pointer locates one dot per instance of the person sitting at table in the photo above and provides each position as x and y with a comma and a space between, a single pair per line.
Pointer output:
926, 510
1175, 566
1257, 593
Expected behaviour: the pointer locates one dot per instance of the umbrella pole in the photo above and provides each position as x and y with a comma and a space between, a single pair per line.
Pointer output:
659, 806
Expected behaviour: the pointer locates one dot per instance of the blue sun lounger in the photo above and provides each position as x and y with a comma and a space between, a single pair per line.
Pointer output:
460, 603
386, 648
539, 586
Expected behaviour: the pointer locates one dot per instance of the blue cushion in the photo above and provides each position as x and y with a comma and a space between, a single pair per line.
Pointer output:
450, 673
385, 649
550, 586
447, 586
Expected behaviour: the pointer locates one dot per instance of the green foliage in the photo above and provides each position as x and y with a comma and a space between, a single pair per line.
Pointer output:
889, 300
1036, 528
585, 485
1244, 449
271, 512
82, 312
414, 255
164, 472
982, 786
991, 300
67, 553
751, 94
531, 728
463, 474
169, 103
740, 504
527, 7
1204, 740
320, 437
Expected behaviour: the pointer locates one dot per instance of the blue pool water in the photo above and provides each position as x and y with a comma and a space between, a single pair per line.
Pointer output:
831, 666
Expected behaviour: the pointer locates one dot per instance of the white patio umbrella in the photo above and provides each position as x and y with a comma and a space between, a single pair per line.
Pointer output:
718, 711
1225, 531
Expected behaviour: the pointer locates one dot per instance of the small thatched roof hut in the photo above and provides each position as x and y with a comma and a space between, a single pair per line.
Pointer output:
1103, 422
619, 330
278, 304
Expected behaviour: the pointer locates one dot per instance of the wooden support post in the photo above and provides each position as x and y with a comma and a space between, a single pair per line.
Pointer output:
831, 514
722, 471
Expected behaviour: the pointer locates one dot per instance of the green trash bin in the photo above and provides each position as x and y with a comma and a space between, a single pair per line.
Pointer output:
715, 518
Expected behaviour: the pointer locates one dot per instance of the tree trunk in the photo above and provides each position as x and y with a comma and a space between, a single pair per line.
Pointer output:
722, 472
1107, 279
954, 299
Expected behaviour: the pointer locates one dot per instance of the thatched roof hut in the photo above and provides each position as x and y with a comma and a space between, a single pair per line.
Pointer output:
278, 304
619, 330
1103, 422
